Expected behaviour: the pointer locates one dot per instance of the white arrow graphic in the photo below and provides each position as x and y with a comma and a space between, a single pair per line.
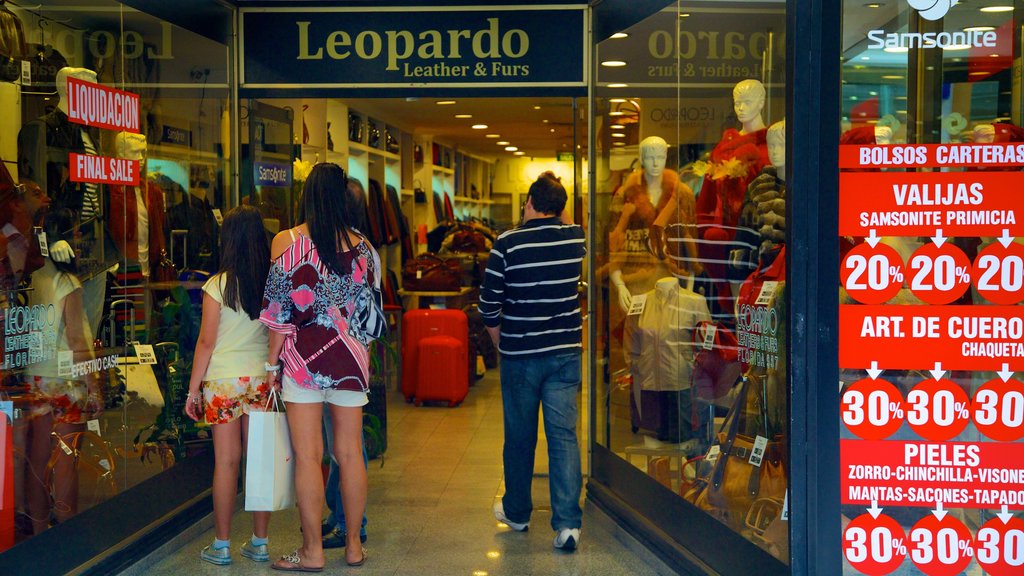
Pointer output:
873, 372
1005, 373
1005, 515
939, 239
939, 512
938, 372
872, 239
1005, 239
875, 510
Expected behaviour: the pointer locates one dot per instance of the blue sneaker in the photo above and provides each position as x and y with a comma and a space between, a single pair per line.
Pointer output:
218, 556
255, 553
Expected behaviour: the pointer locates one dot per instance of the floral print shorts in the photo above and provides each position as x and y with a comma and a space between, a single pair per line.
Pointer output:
65, 399
226, 399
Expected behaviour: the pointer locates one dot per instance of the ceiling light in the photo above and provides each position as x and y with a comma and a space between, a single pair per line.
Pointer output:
493, 554
503, 143
494, 135
994, 55
618, 85
873, 93
616, 113
618, 143
997, 9
618, 135
479, 126
617, 127
977, 73
445, 102
613, 63
873, 5
617, 100
511, 148
892, 77
463, 115
865, 57
536, 107
619, 35
518, 153
684, 15
853, 97
896, 49
552, 130
545, 121
979, 28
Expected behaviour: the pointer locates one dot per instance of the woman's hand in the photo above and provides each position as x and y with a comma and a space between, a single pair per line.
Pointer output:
274, 376
194, 404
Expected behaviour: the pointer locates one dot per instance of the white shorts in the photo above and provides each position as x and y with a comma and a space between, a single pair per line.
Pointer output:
292, 392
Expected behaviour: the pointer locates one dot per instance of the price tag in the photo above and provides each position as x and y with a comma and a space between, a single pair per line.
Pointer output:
7, 407
637, 304
785, 507
26, 72
713, 453
710, 330
93, 426
65, 358
145, 353
64, 446
419, 274
44, 248
767, 292
218, 216
757, 454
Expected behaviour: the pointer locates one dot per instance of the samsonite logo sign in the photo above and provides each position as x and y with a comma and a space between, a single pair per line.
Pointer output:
931, 10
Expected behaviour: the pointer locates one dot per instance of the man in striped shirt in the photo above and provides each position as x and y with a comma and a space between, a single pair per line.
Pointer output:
530, 305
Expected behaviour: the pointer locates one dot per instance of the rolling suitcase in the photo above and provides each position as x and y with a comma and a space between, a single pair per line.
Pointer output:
441, 365
419, 324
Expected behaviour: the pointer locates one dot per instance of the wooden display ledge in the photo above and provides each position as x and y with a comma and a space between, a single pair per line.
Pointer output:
439, 299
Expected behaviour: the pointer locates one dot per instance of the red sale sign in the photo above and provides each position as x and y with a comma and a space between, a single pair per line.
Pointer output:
103, 170
96, 105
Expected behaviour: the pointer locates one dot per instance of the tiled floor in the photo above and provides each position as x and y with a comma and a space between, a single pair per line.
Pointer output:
429, 509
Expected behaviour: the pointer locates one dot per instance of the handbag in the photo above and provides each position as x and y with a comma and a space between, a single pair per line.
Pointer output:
270, 467
733, 484
428, 273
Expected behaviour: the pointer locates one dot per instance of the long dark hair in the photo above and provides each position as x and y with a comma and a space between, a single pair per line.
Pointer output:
244, 259
327, 209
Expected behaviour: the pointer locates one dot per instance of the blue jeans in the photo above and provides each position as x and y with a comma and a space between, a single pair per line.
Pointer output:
550, 382
332, 490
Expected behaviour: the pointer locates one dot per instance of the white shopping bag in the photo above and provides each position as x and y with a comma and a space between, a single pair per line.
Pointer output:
270, 468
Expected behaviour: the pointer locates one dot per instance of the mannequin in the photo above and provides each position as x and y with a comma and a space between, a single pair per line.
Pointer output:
651, 196
737, 159
883, 135
764, 209
984, 134
136, 214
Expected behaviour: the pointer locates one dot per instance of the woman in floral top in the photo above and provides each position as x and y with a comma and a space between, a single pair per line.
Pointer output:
316, 283
228, 366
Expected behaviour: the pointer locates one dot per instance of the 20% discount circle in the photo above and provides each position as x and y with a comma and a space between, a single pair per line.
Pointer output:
999, 273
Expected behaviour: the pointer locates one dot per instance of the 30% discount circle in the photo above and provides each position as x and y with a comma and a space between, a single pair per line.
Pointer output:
939, 274
938, 409
872, 275
874, 546
941, 547
999, 273
872, 409
999, 546
999, 410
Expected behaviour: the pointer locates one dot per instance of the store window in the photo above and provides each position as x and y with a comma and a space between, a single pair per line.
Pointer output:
115, 141
690, 203
931, 285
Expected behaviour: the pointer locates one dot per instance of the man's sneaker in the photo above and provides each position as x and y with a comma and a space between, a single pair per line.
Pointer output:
254, 552
218, 556
499, 513
567, 539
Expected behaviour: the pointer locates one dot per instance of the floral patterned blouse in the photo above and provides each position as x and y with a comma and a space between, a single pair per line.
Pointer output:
311, 306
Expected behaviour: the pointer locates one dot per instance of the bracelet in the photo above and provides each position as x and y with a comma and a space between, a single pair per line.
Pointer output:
272, 367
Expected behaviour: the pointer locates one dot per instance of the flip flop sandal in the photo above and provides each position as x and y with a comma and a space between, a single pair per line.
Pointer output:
359, 562
294, 564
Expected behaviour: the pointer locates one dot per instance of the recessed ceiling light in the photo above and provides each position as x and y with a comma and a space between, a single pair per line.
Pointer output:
518, 153
544, 121
479, 126
896, 49
616, 113
536, 107
994, 55
892, 77
494, 135
618, 143
873, 5
684, 15
617, 127
445, 102
979, 28
618, 135
873, 93
618, 85
619, 35
511, 148
463, 115
997, 9
552, 130
865, 57
617, 100
503, 143
853, 97
613, 63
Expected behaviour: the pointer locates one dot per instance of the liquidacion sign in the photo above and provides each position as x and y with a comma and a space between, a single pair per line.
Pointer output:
408, 47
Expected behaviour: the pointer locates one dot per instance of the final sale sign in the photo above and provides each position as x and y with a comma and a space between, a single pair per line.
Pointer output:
96, 105
932, 318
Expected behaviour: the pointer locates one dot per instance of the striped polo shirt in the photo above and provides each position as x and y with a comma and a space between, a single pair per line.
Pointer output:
530, 288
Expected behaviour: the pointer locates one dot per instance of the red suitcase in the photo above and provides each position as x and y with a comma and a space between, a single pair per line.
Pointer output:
422, 323
441, 365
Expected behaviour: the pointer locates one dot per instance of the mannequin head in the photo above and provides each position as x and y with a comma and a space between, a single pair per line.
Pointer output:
883, 135
131, 146
777, 147
984, 134
653, 154
62, 83
748, 102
